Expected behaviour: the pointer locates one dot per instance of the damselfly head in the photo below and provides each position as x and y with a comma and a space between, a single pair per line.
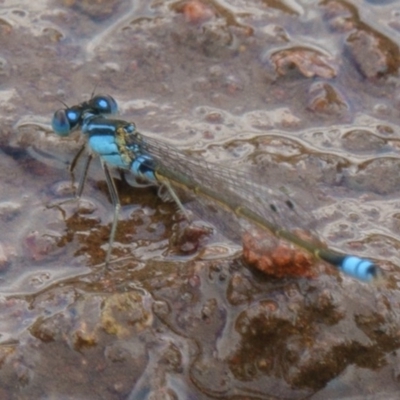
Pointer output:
68, 119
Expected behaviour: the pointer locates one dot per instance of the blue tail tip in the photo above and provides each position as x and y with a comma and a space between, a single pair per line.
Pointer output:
360, 268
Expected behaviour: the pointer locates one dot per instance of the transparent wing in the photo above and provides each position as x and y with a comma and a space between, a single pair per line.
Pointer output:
242, 187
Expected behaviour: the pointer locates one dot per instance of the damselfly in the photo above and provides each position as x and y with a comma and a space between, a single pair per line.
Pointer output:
118, 144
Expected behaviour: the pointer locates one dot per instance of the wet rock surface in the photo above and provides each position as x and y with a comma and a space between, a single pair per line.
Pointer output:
301, 97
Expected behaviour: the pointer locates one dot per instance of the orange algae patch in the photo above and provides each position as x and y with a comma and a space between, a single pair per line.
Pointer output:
277, 257
196, 11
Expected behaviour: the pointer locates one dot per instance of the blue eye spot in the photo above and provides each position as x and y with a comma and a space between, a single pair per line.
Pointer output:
104, 104
73, 115
65, 121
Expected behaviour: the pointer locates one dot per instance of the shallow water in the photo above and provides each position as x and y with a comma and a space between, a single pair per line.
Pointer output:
301, 94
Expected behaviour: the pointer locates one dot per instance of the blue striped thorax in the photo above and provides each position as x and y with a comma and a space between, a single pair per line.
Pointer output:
119, 144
